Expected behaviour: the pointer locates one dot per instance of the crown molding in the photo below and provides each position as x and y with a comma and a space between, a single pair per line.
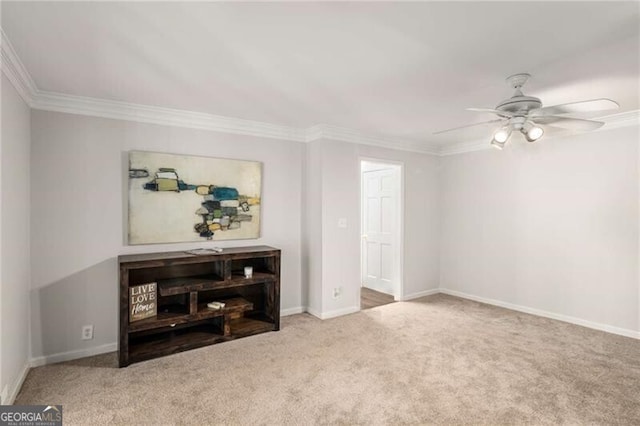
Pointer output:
314, 133
20, 78
15, 71
71, 104
38, 99
463, 147
343, 134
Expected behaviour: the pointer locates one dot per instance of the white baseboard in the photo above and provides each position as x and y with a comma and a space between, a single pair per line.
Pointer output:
340, 312
333, 314
9, 393
71, 355
292, 311
110, 347
419, 294
313, 312
565, 318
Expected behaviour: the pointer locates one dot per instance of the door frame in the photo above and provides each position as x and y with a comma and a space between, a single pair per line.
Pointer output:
398, 258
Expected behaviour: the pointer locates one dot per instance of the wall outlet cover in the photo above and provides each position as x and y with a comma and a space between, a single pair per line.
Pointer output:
87, 332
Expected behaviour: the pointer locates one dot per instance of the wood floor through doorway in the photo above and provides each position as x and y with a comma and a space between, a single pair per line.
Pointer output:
371, 298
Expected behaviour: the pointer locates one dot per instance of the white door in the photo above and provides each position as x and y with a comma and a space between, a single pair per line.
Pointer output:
379, 225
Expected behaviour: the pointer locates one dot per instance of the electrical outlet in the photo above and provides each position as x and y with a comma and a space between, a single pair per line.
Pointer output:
87, 332
337, 292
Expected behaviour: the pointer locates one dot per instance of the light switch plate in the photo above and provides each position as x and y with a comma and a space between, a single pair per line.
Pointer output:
342, 222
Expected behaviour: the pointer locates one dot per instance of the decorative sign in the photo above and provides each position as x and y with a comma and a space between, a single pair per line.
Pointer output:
142, 302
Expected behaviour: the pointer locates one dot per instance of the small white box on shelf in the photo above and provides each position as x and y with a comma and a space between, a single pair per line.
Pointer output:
248, 271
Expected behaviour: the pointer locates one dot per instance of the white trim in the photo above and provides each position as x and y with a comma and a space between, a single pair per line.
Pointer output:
71, 355
314, 133
344, 134
398, 240
335, 313
95, 107
464, 147
313, 312
15, 71
70, 104
111, 347
38, 99
291, 311
419, 294
9, 394
19, 76
538, 312
340, 312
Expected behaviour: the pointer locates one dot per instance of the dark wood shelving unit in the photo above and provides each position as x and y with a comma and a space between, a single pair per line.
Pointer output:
185, 284
172, 286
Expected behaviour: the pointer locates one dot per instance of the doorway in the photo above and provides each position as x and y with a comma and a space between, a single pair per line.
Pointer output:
381, 251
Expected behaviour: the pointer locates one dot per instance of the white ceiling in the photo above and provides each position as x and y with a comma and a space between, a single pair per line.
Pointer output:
394, 70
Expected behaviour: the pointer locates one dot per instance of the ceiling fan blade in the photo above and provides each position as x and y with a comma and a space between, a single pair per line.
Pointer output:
575, 107
469, 125
568, 123
491, 110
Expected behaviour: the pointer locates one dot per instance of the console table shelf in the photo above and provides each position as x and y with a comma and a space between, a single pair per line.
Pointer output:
185, 284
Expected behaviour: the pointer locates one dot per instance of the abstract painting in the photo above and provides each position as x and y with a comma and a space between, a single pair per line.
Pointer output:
179, 198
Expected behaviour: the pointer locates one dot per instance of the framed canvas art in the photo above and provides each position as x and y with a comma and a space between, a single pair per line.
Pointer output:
179, 198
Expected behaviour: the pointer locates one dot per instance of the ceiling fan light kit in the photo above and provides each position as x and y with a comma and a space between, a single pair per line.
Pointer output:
497, 145
526, 114
532, 132
502, 135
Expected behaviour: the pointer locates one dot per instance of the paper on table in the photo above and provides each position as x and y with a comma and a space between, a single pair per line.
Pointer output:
201, 251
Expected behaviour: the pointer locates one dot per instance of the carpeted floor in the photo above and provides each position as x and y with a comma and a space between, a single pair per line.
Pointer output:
436, 360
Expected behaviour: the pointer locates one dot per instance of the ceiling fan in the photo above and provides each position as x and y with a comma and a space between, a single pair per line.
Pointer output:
527, 115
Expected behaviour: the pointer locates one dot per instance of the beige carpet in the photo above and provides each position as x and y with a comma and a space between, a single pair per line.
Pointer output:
437, 360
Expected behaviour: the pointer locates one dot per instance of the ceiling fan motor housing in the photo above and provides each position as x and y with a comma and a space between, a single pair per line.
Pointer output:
519, 105
517, 122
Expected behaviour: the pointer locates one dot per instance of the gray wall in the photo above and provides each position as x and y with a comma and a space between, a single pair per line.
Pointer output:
312, 228
334, 254
78, 167
14, 236
78, 186
551, 226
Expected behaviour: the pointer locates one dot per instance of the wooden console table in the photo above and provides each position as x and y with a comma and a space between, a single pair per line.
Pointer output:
185, 283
